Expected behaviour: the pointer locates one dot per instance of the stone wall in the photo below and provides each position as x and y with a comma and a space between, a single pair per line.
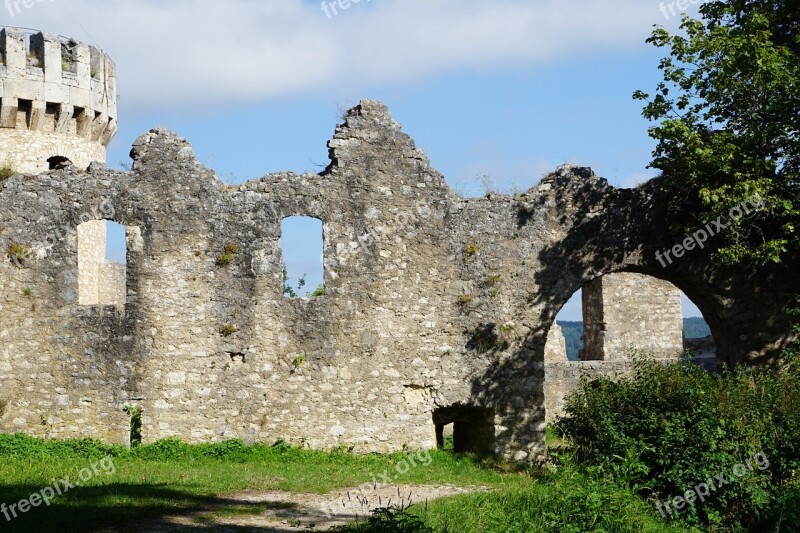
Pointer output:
100, 282
434, 305
57, 99
213, 351
562, 378
555, 349
626, 313
112, 283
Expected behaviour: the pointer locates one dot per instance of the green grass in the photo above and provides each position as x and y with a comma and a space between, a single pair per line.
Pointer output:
169, 477
566, 502
562, 501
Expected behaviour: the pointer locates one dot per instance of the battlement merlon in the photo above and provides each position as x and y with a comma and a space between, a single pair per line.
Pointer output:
43, 72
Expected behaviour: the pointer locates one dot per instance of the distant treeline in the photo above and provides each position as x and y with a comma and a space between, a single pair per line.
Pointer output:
693, 328
573, 331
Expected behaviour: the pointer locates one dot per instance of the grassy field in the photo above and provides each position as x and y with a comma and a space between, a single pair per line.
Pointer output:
131, 487
169, 477
567, 502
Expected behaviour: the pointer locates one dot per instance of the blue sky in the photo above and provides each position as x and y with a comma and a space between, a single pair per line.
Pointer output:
509, 89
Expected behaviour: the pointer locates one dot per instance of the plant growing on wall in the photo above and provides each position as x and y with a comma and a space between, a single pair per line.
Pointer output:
493, 280
470, 251
228, 329
320, 291
18, 253
34, 60
135, 413
465, 300
298, 362
6, 172
229, 254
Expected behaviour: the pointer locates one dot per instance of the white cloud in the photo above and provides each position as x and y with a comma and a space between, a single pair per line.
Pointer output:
214, 53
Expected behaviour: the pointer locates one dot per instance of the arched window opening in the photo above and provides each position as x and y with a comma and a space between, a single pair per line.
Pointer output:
617, 312
610, 319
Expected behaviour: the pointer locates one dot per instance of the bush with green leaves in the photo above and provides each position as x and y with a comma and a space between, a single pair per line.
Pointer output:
664, 429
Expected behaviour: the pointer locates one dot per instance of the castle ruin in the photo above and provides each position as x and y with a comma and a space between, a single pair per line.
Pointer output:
58, 101
437, 310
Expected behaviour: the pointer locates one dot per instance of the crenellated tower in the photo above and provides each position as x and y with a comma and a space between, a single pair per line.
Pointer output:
58, 101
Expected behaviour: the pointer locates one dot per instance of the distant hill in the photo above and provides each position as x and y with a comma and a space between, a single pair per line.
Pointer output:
572, 334
693, 328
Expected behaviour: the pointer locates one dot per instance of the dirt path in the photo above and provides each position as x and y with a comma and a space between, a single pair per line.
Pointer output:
279, 512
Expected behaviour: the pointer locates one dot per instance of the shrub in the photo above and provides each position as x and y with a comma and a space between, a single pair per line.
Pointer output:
135, 412
387, 520
665, 429
30, 448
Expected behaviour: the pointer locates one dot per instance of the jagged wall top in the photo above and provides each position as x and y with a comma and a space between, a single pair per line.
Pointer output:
64, 75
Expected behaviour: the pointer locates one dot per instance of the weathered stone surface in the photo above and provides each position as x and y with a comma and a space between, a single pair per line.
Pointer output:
626, 313
433, 303
431, 300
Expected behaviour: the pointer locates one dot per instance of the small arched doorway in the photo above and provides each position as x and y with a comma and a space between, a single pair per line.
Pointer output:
58, 162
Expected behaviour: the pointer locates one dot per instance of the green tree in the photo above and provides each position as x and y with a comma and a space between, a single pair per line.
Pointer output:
288, 290
727, 114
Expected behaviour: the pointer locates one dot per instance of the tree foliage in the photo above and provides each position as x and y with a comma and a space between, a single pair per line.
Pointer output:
727, 114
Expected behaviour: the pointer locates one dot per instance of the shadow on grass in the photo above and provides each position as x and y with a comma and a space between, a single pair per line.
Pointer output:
128, 508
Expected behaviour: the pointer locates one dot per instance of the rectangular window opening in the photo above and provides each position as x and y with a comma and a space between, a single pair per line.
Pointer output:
302, 244
102, 263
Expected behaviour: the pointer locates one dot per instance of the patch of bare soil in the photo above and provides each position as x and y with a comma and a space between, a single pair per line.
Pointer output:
283, 512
